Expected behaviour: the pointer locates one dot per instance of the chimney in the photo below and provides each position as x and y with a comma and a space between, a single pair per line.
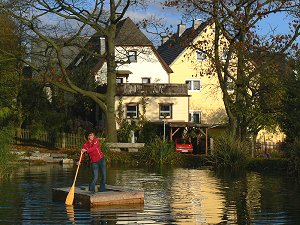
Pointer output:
196, 23
102, 45
117, 15
181, 29
164, 39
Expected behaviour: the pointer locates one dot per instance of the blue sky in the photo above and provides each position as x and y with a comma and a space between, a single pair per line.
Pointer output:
276, 23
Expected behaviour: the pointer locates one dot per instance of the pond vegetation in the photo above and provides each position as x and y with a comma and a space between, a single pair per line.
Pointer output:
230, 153
6, 157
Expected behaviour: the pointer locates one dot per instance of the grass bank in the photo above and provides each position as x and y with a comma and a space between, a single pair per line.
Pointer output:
156, 156
270, 165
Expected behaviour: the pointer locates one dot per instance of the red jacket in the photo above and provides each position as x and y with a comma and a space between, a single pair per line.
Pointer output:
93, 149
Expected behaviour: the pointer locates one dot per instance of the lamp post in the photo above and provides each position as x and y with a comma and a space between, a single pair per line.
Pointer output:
164, 120
164, 130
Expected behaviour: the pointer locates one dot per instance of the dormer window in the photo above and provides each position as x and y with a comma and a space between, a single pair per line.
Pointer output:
132, 56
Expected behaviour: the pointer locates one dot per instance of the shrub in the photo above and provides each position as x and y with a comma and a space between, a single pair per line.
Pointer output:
148, 132
159, 152
230, 153
124, 131
294, 157
272, 164
104, 147
37, 129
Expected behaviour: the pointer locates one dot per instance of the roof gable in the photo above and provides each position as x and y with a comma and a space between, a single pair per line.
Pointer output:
172, 48
128, 33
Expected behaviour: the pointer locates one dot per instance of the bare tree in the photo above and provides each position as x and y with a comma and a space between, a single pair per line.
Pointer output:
242, 58
59, 24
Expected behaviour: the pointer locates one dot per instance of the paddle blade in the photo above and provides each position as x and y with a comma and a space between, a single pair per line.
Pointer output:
70, 197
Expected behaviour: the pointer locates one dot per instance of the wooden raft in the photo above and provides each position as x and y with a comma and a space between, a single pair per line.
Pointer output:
112, 196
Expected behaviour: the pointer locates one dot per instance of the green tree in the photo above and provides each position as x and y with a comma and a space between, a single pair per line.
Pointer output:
39, 112
289, 119
242, 58
9, 44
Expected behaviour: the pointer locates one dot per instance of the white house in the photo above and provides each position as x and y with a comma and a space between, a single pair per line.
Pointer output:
142, 74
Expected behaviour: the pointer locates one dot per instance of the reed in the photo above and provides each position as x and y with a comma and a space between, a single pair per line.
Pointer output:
159, 152
230, 153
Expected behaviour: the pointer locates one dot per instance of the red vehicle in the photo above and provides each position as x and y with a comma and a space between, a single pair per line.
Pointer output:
183, 145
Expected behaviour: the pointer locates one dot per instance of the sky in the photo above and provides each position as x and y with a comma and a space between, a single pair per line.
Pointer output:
277, 23
170, 16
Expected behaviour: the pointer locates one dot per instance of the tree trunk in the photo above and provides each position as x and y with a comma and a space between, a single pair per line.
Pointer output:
111, 86
253, 144
19, 108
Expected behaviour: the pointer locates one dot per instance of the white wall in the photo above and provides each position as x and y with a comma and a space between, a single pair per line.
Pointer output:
147, 65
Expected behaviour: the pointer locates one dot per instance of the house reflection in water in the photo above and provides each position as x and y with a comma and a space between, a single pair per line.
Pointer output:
197, 195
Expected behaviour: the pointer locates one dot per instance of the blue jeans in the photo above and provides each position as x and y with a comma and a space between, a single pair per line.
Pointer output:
96, 166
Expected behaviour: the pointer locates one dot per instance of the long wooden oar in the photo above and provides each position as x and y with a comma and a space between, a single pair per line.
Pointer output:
70, 196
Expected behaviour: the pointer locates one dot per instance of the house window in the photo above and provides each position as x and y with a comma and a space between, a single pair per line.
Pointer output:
200, 56
145, 80
195, 117
165, 111
193, 85
132, 110
230, 85
132, 56
225, 54
119, 80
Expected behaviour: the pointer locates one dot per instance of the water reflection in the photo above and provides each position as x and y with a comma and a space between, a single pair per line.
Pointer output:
71, 213
197, 195
172, 196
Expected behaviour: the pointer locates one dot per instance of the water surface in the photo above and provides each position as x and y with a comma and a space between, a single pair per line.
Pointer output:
172, 196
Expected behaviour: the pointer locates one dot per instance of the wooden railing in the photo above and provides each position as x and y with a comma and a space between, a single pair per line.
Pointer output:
58, 140
155, 89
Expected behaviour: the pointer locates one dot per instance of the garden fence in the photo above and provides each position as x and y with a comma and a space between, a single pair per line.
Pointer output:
267, 147
42, 138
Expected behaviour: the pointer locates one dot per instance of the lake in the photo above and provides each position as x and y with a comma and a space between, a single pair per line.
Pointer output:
172, 196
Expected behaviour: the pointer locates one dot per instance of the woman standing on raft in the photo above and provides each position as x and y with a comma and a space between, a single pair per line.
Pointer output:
93, 148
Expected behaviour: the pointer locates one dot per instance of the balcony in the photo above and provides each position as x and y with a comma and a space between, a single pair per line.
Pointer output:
152, 89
